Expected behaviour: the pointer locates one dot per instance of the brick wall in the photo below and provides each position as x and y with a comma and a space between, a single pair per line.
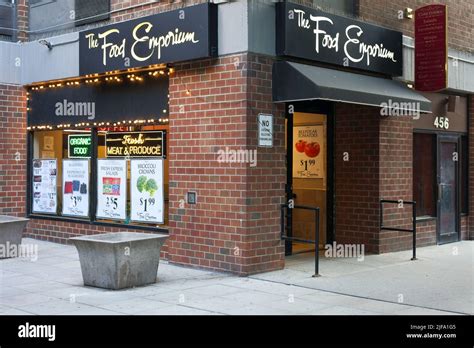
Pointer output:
12, 150
140, 10
396, 183
235, 224
357, 180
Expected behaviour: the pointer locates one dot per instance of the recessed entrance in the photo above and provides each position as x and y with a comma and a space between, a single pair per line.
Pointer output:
309, 181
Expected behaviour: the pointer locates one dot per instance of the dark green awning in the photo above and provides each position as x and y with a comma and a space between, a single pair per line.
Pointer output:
297, 82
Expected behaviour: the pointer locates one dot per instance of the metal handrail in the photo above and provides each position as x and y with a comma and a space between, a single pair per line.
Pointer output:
413, 230
315, 241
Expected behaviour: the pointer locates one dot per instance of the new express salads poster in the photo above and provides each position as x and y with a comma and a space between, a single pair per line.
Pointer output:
308, 152
147, 194
111, 189
76, 187
44, 186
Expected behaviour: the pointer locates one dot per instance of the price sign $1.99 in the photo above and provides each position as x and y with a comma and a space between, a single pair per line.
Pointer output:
146, 202
307, 163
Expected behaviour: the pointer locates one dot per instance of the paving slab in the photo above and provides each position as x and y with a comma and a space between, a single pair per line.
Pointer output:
441, 279
439, 283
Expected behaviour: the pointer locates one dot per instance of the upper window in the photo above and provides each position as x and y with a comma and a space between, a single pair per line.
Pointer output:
338, 6
424, 173
53, 15
7, 10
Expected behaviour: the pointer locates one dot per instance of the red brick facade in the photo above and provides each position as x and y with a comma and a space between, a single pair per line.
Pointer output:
214, 105
235, 225
357, 176
12, 150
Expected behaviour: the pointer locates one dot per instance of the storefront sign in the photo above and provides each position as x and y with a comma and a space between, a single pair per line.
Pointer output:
79, 146
185, 34
76, 187
308, 152
135, 144
265, 130
147, 191
103, 102
311, 34
44, 186
111, 189
431, 48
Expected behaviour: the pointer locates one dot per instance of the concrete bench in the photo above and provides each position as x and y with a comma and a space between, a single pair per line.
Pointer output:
119, 260
11, 232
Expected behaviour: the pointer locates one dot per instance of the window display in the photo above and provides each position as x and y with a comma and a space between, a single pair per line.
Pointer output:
116, 174
76, 188
44, 186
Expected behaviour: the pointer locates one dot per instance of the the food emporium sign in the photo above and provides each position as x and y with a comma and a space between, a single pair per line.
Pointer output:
185, 34
135, 144
311, 34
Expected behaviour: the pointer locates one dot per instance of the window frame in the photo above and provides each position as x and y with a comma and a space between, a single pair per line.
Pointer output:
92, 219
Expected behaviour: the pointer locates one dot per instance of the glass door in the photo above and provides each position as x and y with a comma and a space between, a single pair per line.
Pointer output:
448, 212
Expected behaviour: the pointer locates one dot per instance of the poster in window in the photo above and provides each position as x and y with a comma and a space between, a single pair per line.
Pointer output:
44, 186
308, 152
76, 188
147, 191
111, 189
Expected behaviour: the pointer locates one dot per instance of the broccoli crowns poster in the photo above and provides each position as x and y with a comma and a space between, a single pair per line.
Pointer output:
146, 181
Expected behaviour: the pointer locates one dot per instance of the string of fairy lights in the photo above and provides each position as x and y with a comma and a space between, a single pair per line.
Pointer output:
116, 77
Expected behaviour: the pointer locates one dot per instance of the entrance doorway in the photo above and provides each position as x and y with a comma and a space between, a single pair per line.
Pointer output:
448, 174
309, 178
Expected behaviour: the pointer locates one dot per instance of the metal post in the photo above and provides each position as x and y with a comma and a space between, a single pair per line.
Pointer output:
414, 231
316, 242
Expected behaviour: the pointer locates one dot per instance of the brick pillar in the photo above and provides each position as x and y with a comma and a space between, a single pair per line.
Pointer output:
235, 224
12, 150
22, 19
357, 175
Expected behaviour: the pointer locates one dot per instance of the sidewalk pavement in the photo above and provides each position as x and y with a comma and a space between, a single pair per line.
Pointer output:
52, 285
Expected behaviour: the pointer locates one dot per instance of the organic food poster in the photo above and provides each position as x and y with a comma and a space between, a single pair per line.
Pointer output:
44, 186
147, 194
308, 152
111, 189
76, 187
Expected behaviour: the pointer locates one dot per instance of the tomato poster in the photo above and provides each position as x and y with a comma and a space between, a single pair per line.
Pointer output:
111, 189
44, 186
76, 187
308, 152
147, 193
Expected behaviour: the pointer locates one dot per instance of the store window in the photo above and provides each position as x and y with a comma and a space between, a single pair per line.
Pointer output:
123, 179
424, 173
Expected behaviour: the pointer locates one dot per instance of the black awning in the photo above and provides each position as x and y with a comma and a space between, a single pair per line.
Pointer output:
296, 82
